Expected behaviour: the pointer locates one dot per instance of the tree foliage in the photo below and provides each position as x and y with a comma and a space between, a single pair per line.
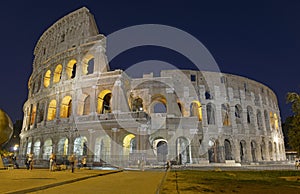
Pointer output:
293, 123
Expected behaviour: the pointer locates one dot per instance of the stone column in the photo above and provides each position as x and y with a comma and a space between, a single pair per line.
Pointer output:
114, 146
248, 154
91, 144
93, 102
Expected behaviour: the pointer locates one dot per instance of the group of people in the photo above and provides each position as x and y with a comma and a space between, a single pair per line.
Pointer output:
29, 161
71, 162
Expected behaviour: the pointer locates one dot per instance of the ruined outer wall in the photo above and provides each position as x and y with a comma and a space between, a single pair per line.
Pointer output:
62, 75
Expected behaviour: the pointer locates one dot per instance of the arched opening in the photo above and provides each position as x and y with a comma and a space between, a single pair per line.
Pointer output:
137, 105
253, 151
271, 150
47, 78
214, 154
275, 151
210, 109
249, 115
129, 144
47, 149
276, 125
102, 149
28, 151
263, 150
57, 73
272, 121
33, 115
88, 65
228, 150
63, 145
158, 104
66, 107
267, 121
51, 110
86, 105
183, 150
71, 69
207, 95
40, 112
80, 146
159, 107
162, 151
104, 102
259, 120
243, 151
196, 110
180, 108
36, 148
225, 109
238, 114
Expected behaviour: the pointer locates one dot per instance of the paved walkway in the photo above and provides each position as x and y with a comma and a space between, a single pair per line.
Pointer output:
82, 181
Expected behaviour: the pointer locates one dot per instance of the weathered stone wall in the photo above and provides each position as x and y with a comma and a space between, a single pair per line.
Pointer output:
76, 104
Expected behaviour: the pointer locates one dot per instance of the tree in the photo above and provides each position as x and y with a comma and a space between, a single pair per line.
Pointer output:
293, 124
294, 98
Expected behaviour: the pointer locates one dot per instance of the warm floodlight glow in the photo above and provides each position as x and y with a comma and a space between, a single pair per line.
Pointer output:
57, 74
47, 78
16, 147
196, 109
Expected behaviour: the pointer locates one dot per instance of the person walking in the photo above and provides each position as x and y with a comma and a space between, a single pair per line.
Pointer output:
52, 162
72, 162
83, 161
14, 159
30, 161
26, 161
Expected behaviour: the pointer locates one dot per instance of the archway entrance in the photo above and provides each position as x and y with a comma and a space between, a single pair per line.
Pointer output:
129, 144
162, 151
253, 151
182, 150
102, 149
104, 102
228, 151
214, 151
80, 146
243, 151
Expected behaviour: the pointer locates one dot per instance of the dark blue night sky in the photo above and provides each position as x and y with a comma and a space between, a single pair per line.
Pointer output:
256, 39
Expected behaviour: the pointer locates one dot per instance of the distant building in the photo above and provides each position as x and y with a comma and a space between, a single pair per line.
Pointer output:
77, 105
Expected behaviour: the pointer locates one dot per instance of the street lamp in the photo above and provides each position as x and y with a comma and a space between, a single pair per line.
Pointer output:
16, 147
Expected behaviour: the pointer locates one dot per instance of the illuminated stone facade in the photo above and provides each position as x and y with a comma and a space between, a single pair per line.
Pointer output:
76, 104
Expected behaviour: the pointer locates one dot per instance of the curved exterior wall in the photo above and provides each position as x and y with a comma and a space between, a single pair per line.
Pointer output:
76, 104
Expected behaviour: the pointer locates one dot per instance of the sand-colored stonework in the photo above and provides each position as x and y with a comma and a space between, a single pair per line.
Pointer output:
76, 104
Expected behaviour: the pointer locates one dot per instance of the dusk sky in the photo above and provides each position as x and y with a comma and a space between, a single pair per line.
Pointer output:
259, 40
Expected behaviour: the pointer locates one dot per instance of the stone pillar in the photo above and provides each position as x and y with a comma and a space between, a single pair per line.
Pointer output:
93, 102
195, 148
41, 149
58, 102
100, 60
248, 154
258, 151
119, 98
45, 112
114, 146
91, 143
171, 146
71, 144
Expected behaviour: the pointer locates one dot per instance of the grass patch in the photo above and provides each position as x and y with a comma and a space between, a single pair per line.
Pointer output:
189, 181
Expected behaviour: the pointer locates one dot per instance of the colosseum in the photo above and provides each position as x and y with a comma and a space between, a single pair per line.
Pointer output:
76, 104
